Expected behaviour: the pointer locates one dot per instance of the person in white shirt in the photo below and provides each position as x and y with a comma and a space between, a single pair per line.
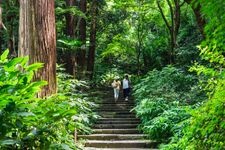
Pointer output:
116, 88
126, 87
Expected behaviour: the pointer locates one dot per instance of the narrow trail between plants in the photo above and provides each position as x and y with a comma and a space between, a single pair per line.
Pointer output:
117, 127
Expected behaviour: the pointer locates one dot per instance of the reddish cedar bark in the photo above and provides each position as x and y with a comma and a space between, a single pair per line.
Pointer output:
37, 39
70, 56
197, 11
92, 47
0, 27
81, 56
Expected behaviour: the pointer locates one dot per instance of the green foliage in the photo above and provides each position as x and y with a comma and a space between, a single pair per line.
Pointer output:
165, 125
28, 122
170, 81
17, 98
68, 45
10, 18
206, 127
74, 91
107, 78
163, 99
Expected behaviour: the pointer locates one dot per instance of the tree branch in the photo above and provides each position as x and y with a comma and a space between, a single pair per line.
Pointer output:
163, 16
182, 3
1, 23
171, 13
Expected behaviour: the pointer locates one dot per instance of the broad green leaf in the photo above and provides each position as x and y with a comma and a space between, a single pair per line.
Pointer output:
34, 67
65, 147
25, 114
4, 55
9, 142
13, 62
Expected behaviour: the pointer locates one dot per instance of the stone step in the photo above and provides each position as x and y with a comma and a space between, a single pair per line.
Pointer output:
118, 119
116, 131
118, 122
115, 126
113, 136
117, 115
121, 144
113, 110
116, 103
92, 148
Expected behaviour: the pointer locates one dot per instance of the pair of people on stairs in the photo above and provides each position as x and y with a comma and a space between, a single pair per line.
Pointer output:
126, 87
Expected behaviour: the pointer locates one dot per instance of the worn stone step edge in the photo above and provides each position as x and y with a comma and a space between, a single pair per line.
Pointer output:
118, 119
114, 126
112, 109
113, 136
117, 116
116, 131
115, 103
118, 122
121, 144
93, 148
115, 113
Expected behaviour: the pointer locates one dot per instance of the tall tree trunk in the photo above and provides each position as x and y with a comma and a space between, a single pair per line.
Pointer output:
92, 47
1, 26
173, 27
199, 18
37, 39
70, 19
70, 56
10, 31
82, 37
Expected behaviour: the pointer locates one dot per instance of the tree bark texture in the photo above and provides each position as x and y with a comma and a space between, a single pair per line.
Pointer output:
0, 17
81, 57
70, 56
199, 18
38, 39
92, 47
1, 27
70, 19
175, 12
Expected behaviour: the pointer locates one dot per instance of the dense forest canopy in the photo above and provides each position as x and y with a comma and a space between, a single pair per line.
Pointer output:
55, 52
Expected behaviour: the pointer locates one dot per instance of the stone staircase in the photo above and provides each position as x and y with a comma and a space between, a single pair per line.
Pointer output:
117, 129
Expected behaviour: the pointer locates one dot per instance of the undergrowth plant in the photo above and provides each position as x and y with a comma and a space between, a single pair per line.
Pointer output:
206, 127
164, 99
28, 122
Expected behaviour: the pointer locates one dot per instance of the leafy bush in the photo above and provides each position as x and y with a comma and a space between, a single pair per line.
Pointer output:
148, 109
165, 125
206, 127
162, 98
170, 84
28, 122
108, 77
